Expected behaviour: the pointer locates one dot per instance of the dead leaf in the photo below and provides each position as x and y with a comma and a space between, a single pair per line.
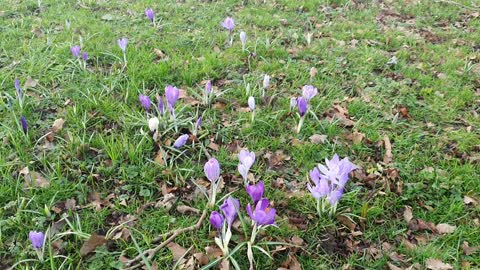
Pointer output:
276, 159
201, 257
166, 202
387, 159
403, 111
184, 209
58, 125
160, 55
30, 83
435, 264
160, 157
339, 112
318, 139
357, 137
393, 267
215, 147
467, 249
92, 243
70, 204
407, 214
177, 250
34, 179
469, 200
445, 228
213, 252
347, 222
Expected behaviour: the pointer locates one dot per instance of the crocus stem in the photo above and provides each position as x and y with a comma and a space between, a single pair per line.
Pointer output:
230, 42
253, 116
213, 194
125, 58
300, 124
318, 208
39, 254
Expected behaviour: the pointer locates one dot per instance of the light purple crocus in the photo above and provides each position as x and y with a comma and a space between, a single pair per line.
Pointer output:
75, 51
266, 81
171, 93
37, 239
293, 103
85, 56
246, 159
263, 214
212, 170
256, 191
122, 43
198, 123
17, 87
337, 170
321, 189
24, 124
243, 39
217, 220
150, 14
251, 103
145, 101
161, 105
229, 24
302, 106
208, 87
181, 141
308, 92
230, 209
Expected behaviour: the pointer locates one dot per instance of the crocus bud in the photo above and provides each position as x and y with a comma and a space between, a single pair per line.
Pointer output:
172, 93
75, 51
217, 220
24, 124
153, 123
266, 81
256, 191
122, 43
230, 209
17, 87
212, 170
145, 101
208, 87
181, 141
251, 103
229, 24
302, 106
37, 239
293, 103
198, 123
150, 14
84, 56
161, 106
243, 39
247, 158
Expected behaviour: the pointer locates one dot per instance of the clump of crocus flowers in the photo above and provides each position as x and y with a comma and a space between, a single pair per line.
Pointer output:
329, 183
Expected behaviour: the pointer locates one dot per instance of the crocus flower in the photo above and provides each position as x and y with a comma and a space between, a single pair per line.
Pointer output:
75, 51
263, 214
217, 220
337, 170
308, 92
84, 56
161, 106
293, 103
208, 87
181, 141
302, 106
150, 14
251, 103
230, 209
212, 170
122, 43
243, 39
228, 24
24, 124
171, 93
17, 87
246, 159
256, 191
335, 196
153, 123
198, 123
266, 81
37, 239
145, 101
321, 189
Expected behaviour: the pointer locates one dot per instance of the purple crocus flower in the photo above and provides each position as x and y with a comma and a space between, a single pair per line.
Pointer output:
161, 106
217, 220
208, 87
24, 124
266, 81
263, 213
308, 92
256, 191
321, 188
230, 209
302, 106
37, 239
228, 24
150, 14
246, 159
293, 103
251, 103
243, 39
337, 170
198, 123
75, 51
122, 43
335, 196
17, 87
145, 101
171, 93
84, 56
181, 141
212, 170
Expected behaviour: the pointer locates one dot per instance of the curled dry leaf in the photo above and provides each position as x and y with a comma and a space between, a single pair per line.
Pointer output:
34, 179
387, 159
444, 228
435, 264
58, 125
177, 250
185, 209
318, 139
467, 249
469, 200
166, 202
407, 214
30, 83
92, 243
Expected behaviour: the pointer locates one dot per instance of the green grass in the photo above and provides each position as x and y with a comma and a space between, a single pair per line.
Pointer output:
102, 148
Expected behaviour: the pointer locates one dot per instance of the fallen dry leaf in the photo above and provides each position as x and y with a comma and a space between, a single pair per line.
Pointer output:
407, 214
467, 249
393, 267
435, 264
34, 179
177, 250
215, 147
166, 202
160, 157
30, 83
444, 228
318, 139
387, 159
92, 243
58, 125
469, 200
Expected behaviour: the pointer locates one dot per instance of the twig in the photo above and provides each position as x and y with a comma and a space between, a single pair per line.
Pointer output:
137, 261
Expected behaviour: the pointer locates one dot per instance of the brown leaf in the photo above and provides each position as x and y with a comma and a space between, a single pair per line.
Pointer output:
318, 139
184, 209
467, 249
347, 222
276, 159
201, 257
339, 112
92, 243
70, 204
435, 264
161, 56
58, 125
469, 200
215, 147
357, 137
445, 228
387, 159
30, 83
393, 267
166, 202
403, 111
407, 214
34, 179
213, 252
160, 157
177, 250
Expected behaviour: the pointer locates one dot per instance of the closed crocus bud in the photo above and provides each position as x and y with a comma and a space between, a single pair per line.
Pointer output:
17, 87
84, 56
181, 141
251, 103
24, 124
266, 81
145, 101
230, 209
198, 123
256, 191
122, 43
247, 158
208, 87
150, 14
243, 39
212, 170
161, 105
293, 103
229, 24
302, 106
217, 220
153, 123
308, 92
75, 51
37, 239
171, 93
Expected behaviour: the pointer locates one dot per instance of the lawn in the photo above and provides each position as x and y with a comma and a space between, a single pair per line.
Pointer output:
85, 161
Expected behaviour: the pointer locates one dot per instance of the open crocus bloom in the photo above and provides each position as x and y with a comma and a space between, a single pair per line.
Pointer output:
263, 214
230, 209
